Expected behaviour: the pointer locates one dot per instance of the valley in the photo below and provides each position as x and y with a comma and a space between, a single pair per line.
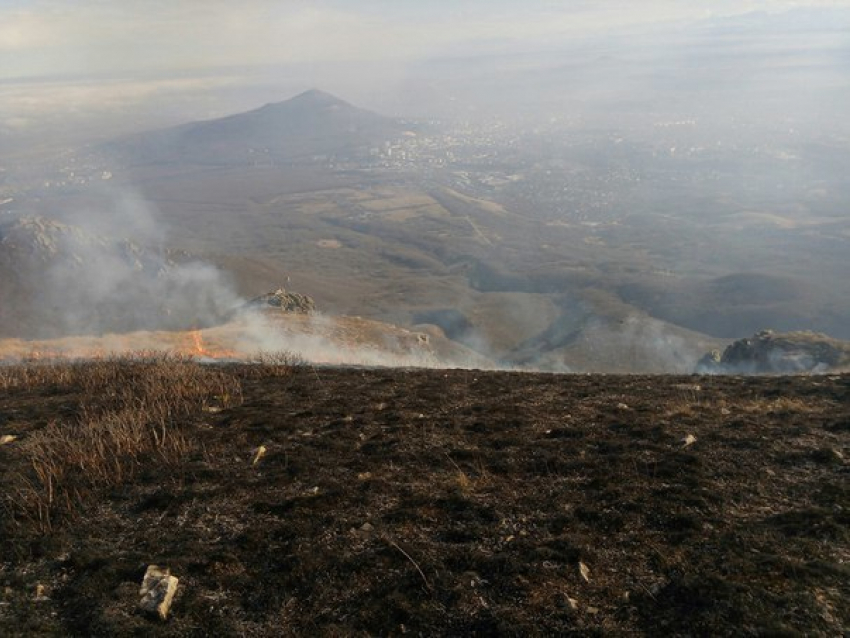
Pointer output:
542, 247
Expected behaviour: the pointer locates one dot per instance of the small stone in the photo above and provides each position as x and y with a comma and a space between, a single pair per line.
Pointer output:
572, 603
259, 453
157, 591
725, 411
364, 476
7, 438
364, 531
40, 593
592, 610
623, 406
584, 570
689, 440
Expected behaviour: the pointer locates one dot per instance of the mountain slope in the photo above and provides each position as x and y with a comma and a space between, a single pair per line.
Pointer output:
311, 125
58, 279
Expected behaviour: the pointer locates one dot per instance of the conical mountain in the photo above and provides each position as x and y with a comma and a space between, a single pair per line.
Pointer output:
313, 126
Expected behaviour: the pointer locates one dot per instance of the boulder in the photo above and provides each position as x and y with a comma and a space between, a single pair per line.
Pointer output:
768, 352
285, 301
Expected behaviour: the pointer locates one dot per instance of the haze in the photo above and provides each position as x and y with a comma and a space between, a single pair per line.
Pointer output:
192, 58
545, 182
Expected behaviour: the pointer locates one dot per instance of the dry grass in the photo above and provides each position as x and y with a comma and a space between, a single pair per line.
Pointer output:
273, 363
467, 483
774, 405
69, 464
691, 403
131, 410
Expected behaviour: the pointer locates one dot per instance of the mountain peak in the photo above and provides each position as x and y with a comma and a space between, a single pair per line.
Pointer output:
316, 98
311, 125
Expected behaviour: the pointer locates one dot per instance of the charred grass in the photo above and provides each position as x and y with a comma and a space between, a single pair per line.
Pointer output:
435, 503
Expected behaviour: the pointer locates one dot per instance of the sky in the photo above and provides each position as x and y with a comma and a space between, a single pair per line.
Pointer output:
107, 37
74, 67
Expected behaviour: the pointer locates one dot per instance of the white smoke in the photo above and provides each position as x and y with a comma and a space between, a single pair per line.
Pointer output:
109, 270
638, 344
327, 340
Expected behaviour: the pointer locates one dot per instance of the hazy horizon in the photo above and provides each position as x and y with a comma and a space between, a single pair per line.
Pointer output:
135, 65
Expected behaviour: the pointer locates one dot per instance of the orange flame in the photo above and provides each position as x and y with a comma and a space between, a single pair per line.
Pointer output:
198, 342
200, 348
194, 343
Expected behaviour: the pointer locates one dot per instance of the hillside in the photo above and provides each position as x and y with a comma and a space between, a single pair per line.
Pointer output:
329, 501
58, 279
564, 262
311, 338
311, 127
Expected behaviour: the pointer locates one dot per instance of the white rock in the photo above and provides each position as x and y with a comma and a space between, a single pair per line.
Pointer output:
7, 438
689, 440
157, 591
584, 570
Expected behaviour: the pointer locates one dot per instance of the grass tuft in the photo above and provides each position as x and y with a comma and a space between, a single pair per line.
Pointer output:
132, 412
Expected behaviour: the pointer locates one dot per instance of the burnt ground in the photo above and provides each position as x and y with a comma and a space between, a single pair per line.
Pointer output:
463, 503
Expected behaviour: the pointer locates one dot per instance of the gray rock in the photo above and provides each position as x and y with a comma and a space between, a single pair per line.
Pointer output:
768, 352
286, 301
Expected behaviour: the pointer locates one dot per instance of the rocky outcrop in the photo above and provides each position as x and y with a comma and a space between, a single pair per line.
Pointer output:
285, 301
768, 352
58, 279
27, 241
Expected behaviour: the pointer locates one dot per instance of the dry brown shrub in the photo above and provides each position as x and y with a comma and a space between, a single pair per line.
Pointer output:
36, 373
279, 363
774, 405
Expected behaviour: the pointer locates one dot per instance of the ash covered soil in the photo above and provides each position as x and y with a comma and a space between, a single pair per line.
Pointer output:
395, 502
